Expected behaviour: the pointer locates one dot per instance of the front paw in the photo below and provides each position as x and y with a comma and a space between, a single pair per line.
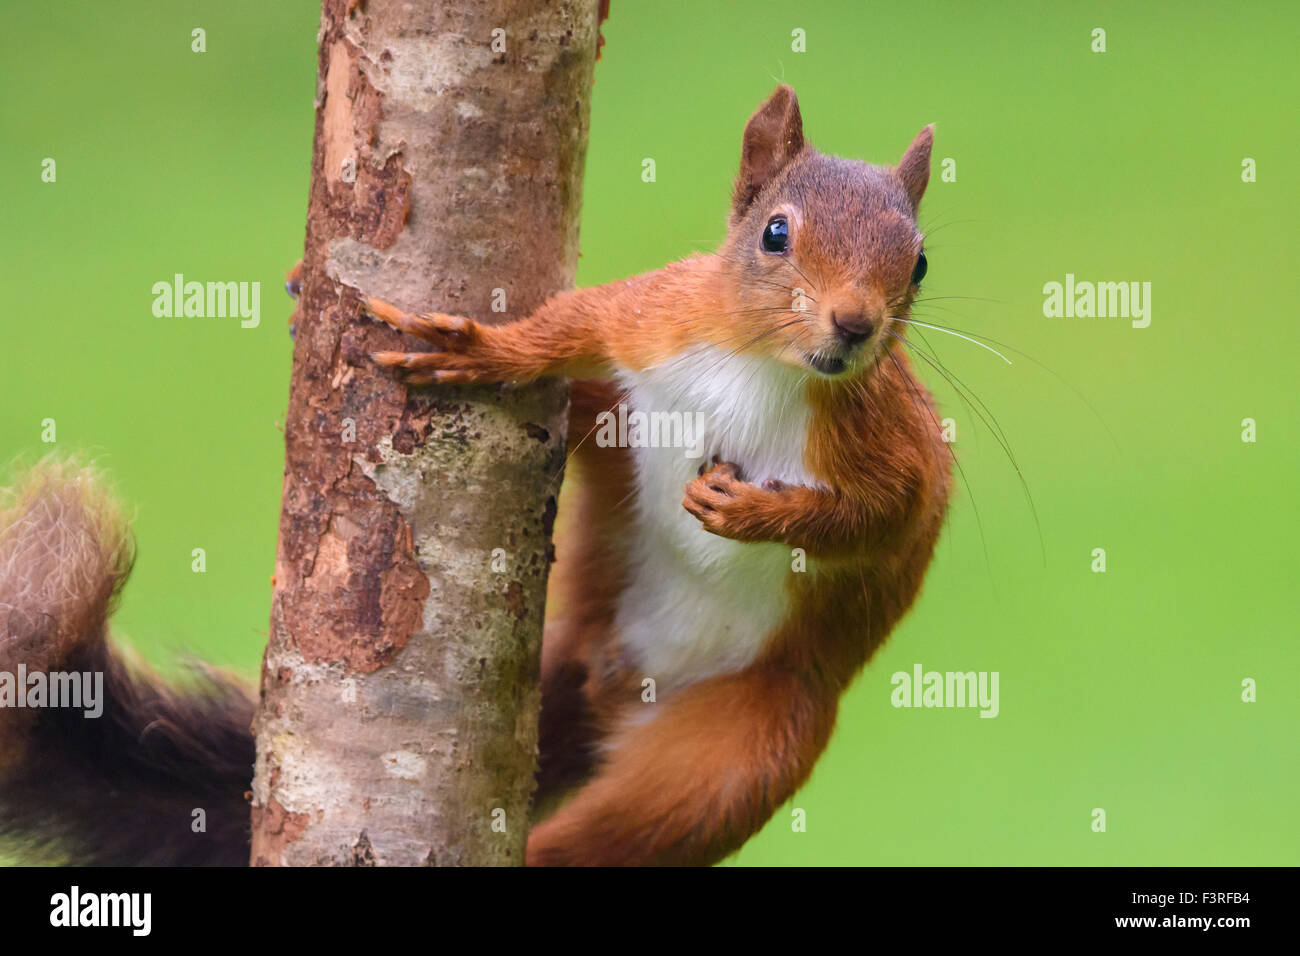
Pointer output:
727, 505
461, 351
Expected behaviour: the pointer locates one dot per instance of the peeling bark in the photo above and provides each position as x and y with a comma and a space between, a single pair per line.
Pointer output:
398, 717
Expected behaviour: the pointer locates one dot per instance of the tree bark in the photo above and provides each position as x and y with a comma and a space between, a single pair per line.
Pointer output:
398, 715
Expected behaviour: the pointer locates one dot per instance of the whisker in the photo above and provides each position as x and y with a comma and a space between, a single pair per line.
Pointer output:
1048, 369
799, 270
940, 328
772, 282
1005, 446
695, 317
769, 331
921, 405
934, 354
729, 355
930, 230
967, 298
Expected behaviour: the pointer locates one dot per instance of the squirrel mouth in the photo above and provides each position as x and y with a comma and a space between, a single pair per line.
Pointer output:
827, 364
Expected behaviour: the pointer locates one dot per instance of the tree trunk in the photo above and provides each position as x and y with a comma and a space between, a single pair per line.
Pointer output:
398, 718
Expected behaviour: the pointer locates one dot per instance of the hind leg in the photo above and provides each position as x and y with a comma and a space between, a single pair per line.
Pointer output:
583, 590
696, 781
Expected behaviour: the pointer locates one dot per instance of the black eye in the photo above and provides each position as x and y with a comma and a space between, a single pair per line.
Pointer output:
918, 270
776, 236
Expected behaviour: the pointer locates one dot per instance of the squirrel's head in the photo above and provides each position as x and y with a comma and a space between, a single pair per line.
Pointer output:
824, 252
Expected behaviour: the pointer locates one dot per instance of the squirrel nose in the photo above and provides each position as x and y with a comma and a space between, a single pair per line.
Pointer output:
852, 327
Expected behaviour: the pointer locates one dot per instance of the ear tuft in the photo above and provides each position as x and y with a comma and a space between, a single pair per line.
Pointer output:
914, 167
773, 136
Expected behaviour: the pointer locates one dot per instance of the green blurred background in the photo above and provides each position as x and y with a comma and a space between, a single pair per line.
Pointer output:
1119, 690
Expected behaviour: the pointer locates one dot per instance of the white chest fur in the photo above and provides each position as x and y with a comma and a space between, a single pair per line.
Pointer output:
698, 604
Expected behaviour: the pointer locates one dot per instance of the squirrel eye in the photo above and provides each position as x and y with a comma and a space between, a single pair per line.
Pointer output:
918, 270
776, 237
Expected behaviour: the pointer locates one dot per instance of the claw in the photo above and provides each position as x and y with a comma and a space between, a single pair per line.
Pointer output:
293, 280
434, 327
389, 359
379, 309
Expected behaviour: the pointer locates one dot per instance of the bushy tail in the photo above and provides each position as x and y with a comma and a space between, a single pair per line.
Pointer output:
126, 787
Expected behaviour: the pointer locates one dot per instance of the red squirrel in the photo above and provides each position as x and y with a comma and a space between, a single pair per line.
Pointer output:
750, 583
749, 576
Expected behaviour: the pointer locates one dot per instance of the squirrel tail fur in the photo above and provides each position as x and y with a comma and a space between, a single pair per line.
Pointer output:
125, 787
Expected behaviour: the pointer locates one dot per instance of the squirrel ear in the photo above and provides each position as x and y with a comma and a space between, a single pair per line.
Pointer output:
773, 135
914, 167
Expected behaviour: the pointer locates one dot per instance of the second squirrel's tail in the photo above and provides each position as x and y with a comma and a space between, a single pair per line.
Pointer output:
158, 776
